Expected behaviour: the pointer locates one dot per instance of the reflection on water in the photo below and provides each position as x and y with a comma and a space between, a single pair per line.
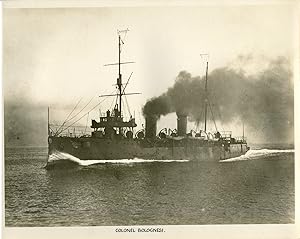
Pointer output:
258, 190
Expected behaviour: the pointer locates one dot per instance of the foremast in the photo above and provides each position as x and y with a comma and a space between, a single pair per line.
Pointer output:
206, 97
114, 119
119, 79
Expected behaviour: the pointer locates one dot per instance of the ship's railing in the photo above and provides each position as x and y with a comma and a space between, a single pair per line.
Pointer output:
199, 135
111, 114
240, 139
226, 134
73, 131
202, 135
103, 117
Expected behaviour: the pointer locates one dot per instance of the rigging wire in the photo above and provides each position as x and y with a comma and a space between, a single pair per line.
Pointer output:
111, 105
121, 48
124, 87
66, 120
87, 119
212, 114
82, 108
100, 113
84, 114
79, 113
128, 108
219, 113
77, 126
125, 115
198, 122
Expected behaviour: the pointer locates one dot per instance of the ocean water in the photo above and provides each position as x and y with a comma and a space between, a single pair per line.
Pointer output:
255, 188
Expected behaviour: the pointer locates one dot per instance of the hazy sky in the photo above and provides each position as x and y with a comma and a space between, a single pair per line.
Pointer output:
56, 56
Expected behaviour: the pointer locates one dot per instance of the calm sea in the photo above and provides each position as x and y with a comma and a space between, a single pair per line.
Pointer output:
256, 188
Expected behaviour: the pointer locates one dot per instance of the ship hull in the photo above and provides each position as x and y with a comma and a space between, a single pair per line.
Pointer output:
89, 148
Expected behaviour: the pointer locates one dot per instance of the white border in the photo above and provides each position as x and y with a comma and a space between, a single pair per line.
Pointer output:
272, 231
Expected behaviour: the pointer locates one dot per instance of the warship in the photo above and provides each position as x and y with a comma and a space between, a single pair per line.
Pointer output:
113, 137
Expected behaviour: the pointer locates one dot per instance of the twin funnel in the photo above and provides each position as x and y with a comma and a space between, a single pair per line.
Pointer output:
151, 125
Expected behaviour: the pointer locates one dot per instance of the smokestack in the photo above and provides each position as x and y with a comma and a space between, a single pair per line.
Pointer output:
181, 124
249, 103
151, 126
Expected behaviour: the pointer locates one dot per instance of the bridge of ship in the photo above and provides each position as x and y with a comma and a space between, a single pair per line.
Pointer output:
114, 119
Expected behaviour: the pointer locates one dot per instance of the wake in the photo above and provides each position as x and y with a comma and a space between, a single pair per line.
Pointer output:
57, 157
61, 157
258, 153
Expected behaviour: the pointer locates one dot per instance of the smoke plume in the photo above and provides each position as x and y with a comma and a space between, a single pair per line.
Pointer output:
263, 101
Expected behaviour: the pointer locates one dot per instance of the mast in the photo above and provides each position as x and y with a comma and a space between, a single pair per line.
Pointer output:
48, 116
119, 80
206, 98
243, 133
48, 124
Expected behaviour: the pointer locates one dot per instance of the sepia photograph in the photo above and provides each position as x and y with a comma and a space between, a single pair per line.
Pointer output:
148, 115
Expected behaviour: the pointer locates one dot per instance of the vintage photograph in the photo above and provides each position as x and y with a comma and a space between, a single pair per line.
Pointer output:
149, 115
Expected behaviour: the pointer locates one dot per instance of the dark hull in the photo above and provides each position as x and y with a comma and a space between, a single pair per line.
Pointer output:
89, 148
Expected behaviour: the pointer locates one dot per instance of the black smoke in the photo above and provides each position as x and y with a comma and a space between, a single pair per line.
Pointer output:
263, 101
158, 106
